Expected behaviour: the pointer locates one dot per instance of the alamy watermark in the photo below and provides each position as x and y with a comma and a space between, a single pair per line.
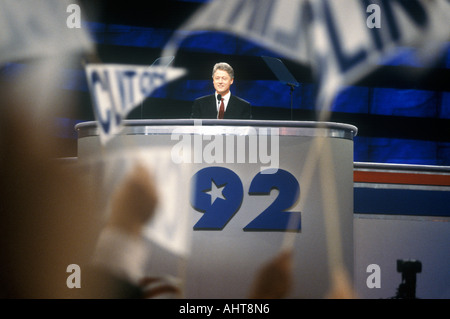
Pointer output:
374, 279
250, 145
73, 20
74, 17
374, 19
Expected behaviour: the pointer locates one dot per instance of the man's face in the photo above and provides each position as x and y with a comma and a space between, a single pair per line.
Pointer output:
222, 82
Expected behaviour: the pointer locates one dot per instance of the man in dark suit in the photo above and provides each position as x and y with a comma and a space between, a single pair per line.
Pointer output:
222, 104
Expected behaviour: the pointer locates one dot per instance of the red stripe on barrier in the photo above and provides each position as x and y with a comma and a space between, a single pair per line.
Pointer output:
401, 178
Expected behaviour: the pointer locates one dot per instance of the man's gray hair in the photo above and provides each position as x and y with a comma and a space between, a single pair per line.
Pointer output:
224, 67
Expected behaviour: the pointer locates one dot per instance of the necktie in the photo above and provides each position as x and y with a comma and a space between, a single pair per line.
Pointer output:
221, 110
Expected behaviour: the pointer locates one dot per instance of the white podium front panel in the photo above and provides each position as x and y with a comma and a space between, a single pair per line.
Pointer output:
248, 190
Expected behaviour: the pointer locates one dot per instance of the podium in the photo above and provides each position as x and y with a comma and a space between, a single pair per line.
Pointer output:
247, 192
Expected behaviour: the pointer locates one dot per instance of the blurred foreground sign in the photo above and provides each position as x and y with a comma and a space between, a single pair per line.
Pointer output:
170, 227
36, 29
117, 89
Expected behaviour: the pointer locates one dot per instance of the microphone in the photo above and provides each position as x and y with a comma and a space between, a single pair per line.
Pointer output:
219, 98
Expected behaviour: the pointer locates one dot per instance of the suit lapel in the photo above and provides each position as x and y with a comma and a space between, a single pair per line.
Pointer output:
210, 107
